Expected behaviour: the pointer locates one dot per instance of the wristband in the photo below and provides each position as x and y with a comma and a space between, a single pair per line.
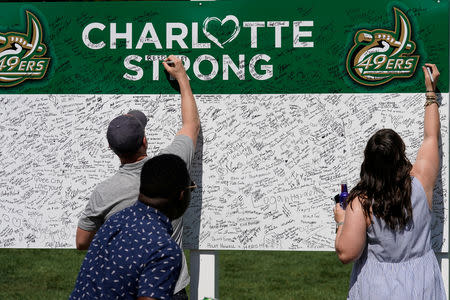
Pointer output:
431, 101
339, 224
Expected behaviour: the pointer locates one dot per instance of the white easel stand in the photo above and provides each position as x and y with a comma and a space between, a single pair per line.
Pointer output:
204, 270
443, 260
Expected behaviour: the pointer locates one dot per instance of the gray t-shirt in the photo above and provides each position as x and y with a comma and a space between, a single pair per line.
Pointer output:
122, 190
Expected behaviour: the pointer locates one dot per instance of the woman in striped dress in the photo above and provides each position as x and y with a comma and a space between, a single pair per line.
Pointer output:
385, 228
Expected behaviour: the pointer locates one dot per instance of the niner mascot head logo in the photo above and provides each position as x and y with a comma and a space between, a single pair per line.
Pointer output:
380, 55
21, 55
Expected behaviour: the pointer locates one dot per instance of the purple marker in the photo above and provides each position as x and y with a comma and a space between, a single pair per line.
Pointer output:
343, 196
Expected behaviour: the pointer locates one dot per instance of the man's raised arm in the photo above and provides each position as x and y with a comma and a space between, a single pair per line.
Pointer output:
189, 112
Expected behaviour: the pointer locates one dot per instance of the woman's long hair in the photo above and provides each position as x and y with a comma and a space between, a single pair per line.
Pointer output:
385, 180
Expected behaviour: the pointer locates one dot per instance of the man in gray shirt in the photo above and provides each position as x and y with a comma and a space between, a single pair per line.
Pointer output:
127, 139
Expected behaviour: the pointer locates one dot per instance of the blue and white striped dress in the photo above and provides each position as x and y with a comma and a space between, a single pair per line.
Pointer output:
399, 264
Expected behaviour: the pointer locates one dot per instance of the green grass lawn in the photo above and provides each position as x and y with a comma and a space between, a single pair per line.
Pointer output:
51, 273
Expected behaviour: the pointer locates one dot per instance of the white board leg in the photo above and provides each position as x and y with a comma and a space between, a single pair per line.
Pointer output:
445, 275
443, 261
204, 269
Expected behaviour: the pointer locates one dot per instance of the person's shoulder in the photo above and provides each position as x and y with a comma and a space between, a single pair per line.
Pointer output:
180, 140
182, 146
159, 226
131, 210
170, 248
115, 182
107, 182
183, 137
124, 215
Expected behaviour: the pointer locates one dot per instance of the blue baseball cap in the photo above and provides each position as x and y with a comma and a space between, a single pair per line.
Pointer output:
126, 132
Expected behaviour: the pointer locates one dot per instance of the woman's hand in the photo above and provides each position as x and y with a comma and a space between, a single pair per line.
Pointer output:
339, 213
431, 84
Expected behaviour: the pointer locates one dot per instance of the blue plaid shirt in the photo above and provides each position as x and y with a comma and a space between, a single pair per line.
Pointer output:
132, 255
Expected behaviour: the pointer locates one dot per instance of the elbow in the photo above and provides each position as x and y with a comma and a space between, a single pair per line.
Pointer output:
193, 127
196, 126
432, 135
346, 255
345, 258
81, 245
83, 238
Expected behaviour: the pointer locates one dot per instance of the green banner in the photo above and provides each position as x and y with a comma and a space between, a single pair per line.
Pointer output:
251, 47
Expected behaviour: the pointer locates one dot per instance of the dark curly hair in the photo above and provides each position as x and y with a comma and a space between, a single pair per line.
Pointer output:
385, 180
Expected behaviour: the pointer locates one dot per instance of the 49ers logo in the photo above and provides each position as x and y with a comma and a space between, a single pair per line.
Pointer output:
380, 55
21, 55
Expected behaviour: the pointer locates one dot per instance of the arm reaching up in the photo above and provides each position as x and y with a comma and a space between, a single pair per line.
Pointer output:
189, 112
426, 167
